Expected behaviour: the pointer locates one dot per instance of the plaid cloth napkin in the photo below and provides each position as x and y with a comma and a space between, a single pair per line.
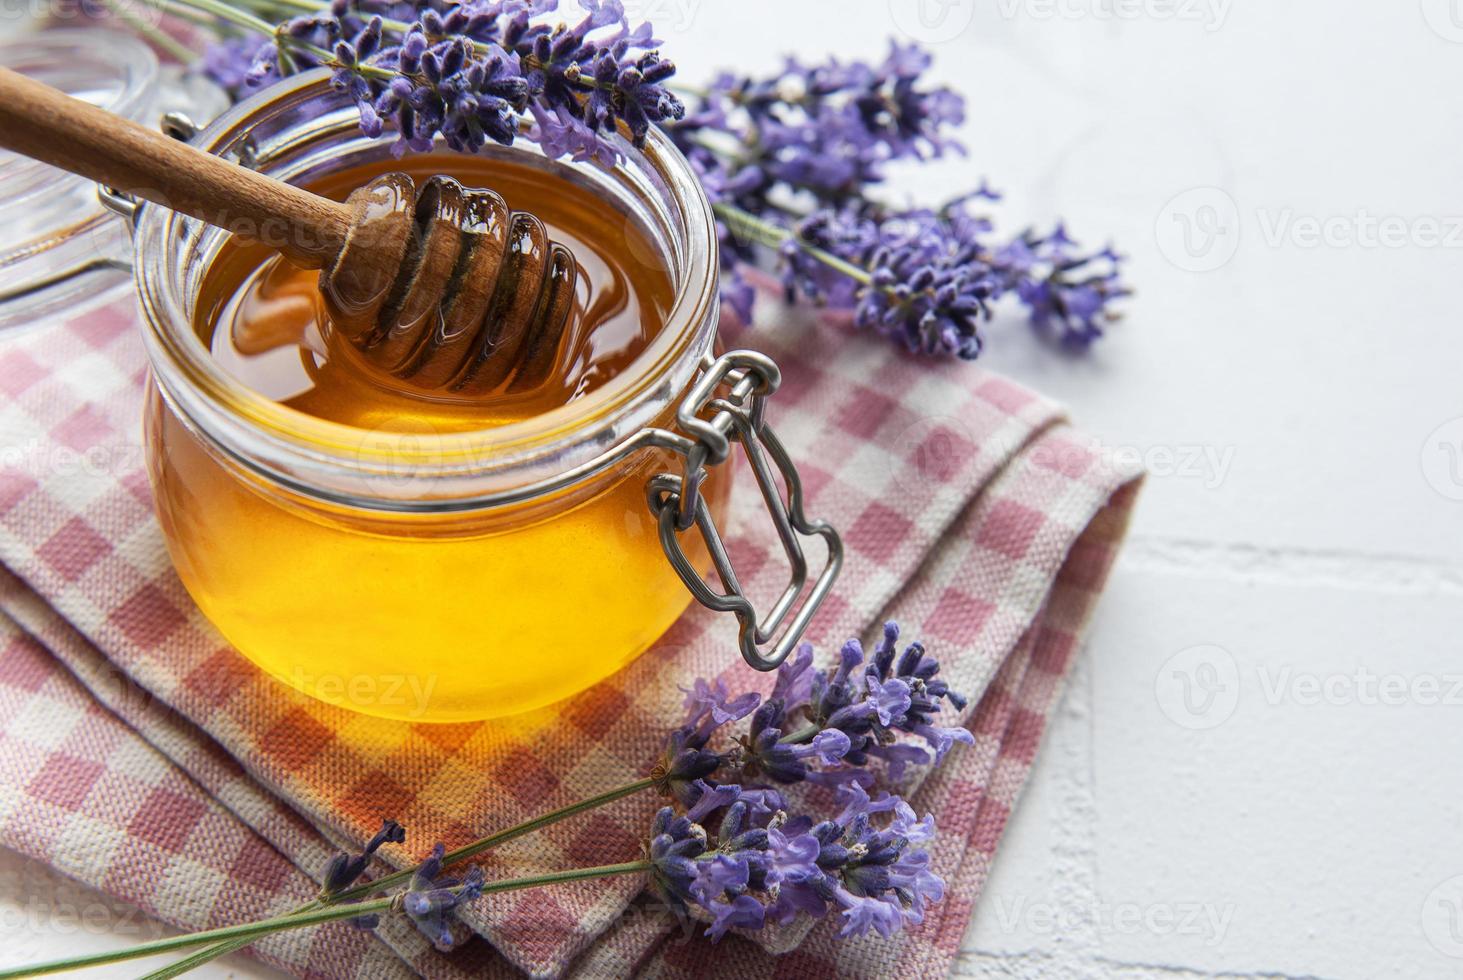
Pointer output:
142, 755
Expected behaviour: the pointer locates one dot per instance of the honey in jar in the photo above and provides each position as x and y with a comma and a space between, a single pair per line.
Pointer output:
394, 593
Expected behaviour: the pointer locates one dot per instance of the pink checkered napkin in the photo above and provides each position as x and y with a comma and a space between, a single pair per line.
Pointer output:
971, 513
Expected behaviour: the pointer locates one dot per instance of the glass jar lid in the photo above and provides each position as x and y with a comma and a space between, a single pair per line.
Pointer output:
54, 232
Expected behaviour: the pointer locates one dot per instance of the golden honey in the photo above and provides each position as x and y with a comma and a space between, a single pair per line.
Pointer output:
445, 615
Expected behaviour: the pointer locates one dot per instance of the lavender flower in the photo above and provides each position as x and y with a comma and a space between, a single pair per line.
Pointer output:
471, 71
228, 62
751, 875
344, 870
826, 129
769, 754
1069, 294
690, 871
878, 877
686, 761
802, 150
797, 152
432, 898
738, 859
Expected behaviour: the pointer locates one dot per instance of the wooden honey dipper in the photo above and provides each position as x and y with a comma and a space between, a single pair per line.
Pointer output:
444, 287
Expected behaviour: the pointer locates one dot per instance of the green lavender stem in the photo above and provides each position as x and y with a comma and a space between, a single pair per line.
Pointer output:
242, 18
265, 927
461, 854
775, 236
160, 39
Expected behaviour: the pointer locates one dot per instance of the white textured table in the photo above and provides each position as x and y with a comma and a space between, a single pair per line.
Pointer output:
1256, 769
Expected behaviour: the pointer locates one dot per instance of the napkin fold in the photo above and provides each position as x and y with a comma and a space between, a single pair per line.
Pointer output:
142, 755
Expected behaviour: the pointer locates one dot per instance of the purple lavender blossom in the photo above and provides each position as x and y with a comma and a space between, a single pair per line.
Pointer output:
802, 150
471, 72
827, 129
1069, 294
344, 870
737, 859
877, 876
228, 62
892, 693
925, 283
686, 761
711, 704
432, 898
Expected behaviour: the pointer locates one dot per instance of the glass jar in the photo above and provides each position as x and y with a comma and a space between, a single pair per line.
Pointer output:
455, 576
61, 252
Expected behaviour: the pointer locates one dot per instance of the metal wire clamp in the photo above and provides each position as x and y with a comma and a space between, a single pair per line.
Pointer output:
727, 406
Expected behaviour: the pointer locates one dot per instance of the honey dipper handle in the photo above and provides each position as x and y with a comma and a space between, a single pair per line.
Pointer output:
40, 122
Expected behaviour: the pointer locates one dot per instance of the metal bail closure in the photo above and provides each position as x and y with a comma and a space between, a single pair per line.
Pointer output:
726, 406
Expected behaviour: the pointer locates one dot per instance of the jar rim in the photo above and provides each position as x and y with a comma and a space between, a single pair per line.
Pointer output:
472, 468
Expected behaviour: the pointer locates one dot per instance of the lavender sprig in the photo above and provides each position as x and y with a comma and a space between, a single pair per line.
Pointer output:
791, 162
471, 72
729, 849
766, 865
